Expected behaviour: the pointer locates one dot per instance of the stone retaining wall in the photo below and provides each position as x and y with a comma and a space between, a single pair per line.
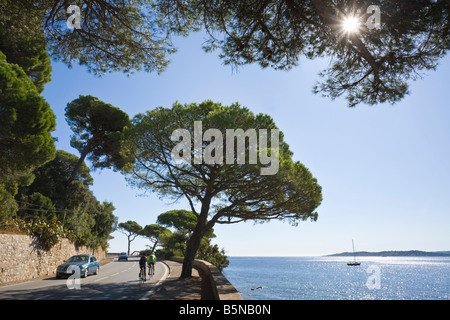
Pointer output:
221, 287
20, 258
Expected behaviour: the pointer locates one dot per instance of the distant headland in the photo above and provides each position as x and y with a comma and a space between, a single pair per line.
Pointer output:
410, 253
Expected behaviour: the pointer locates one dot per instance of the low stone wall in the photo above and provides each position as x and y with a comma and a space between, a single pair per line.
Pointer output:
221, 287
20, 258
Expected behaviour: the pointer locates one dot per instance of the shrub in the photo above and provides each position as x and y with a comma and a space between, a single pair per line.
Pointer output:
47, 233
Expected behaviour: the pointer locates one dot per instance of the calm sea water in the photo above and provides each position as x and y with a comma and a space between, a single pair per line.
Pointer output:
329, 278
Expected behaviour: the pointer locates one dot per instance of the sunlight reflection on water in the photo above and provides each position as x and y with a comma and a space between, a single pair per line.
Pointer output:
330, 278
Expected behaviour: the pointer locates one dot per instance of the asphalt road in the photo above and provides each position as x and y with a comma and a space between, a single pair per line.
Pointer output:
115, 281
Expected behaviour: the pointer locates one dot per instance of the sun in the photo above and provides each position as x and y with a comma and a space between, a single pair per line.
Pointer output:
351, 24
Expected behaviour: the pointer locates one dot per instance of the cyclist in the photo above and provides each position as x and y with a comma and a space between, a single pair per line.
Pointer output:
142, 263
151, 264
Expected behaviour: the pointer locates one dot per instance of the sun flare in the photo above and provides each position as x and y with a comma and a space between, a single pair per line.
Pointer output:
351, 24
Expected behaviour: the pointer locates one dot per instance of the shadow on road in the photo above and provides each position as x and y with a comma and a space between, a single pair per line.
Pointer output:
129, 290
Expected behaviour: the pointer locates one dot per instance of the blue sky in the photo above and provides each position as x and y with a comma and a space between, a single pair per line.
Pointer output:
384, 170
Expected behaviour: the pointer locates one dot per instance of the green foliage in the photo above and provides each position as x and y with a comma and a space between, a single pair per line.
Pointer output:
224, 193
53, 180
22, 40
26, 119
98, 133
105, 222
212, 254
375, 65
53, 196
80, 223
131, 229
47, 233
239, 190
178, 219
35, 206
370, 66
44, 194
26, 122
174, 244
154, 232
114, 36
8, 205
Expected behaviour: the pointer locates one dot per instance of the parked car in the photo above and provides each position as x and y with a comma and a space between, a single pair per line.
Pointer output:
87, 264
123, 256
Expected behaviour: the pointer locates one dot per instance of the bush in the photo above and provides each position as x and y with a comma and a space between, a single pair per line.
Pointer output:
46, 232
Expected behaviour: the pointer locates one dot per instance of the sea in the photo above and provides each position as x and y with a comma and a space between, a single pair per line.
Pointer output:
330, 278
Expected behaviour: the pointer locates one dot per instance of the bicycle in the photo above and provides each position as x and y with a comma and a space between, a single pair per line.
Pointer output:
151, 269
142, 276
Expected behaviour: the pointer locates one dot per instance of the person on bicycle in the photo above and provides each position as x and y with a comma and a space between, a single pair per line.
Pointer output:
151, 263
142, 263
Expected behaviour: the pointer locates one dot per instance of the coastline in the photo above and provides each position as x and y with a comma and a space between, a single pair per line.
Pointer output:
393, 253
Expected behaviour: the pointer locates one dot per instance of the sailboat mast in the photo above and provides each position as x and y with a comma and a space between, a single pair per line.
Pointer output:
355, 263
354, 253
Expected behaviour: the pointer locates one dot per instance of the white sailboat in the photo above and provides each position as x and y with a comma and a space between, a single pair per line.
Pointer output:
354, 263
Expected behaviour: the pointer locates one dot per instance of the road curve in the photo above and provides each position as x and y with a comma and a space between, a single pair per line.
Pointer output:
115, 281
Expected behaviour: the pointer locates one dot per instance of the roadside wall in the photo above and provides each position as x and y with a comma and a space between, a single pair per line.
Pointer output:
221, 287
20, 259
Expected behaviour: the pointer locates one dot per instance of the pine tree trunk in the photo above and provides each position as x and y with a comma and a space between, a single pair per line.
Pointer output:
189, 257
193, 243
79, 163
